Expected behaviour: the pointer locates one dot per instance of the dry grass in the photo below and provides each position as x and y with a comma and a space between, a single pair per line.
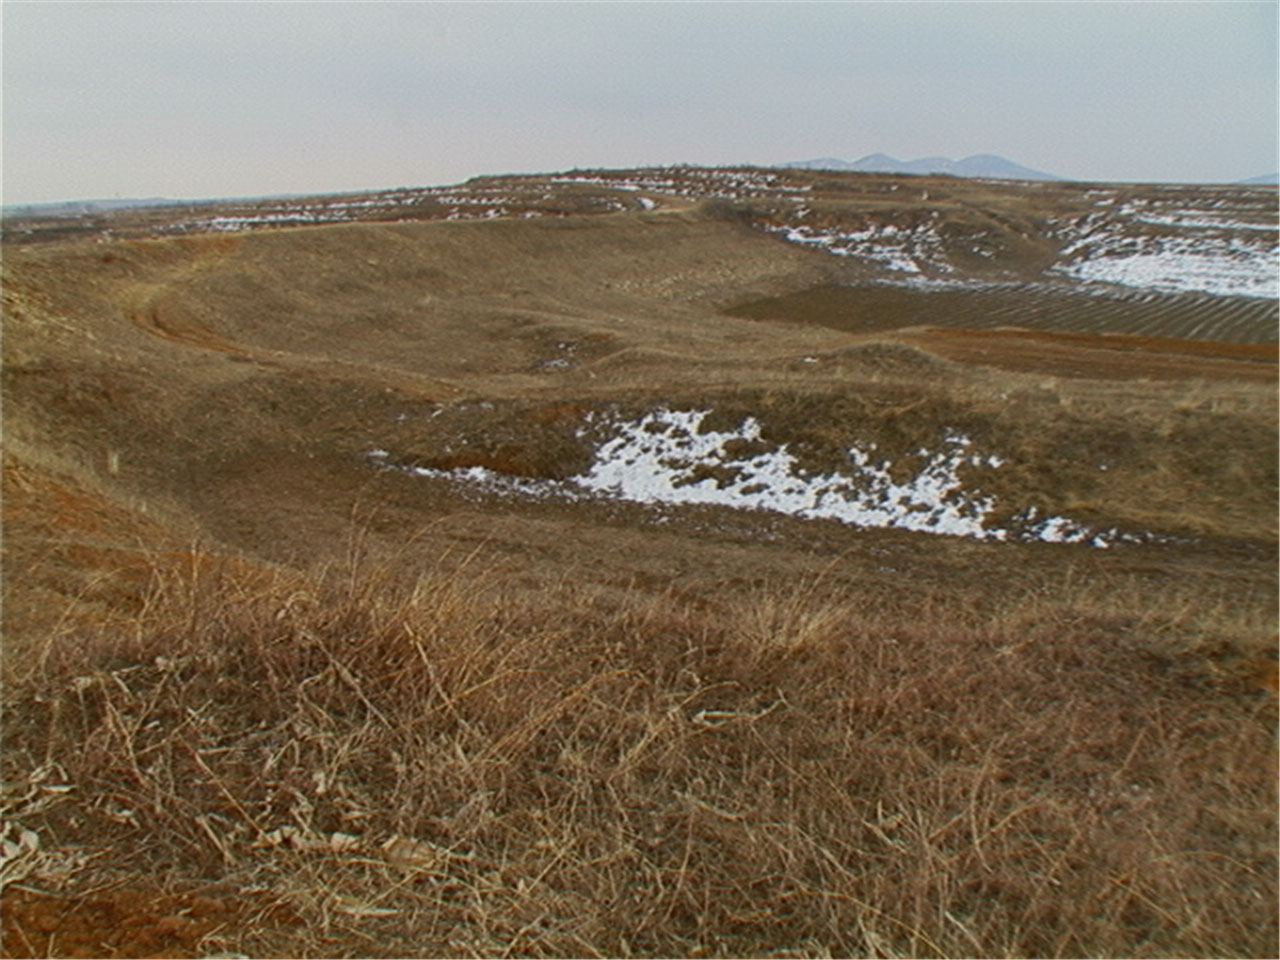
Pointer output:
622, 736
446, 767
1193, 461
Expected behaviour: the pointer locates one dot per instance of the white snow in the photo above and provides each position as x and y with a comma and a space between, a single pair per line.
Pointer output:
908, 250
1210, 252
1198, 219
695, 182
1179, 271
668, 457
657, 459
482, 480
1227, 246
227, 224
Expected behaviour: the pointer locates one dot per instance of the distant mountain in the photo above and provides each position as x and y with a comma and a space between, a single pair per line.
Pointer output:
1267, 179
978, 165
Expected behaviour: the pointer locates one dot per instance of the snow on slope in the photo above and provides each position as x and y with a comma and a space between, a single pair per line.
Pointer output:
668, 457
660, 459
1209, 248
907, 250
694, 182
1228, 246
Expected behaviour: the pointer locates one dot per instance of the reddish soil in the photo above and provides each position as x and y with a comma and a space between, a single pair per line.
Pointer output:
1100, 356
126, 923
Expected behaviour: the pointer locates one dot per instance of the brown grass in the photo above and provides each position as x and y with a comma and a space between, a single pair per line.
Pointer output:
446, 767
599, 728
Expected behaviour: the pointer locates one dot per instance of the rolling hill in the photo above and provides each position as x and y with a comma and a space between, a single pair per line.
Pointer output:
653, 562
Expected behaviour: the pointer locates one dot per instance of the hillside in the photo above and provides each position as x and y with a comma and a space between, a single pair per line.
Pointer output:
651, 562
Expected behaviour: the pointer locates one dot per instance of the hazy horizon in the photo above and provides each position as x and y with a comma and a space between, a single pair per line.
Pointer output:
191, 101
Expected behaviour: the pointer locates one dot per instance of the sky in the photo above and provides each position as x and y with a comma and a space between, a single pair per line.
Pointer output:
222, 99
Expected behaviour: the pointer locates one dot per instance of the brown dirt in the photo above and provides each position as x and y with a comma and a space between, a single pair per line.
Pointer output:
1053, 307
132, 922
1100, 356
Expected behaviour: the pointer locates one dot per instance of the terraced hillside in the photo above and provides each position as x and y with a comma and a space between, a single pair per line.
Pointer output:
648, 562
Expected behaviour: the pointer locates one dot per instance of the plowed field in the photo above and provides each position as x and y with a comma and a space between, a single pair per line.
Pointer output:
879, 307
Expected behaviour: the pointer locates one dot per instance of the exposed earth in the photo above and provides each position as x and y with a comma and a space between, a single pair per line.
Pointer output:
957, 400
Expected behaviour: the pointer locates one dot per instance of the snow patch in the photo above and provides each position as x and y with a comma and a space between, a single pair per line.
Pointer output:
1234, 252
907, 250
666, 457
670, 457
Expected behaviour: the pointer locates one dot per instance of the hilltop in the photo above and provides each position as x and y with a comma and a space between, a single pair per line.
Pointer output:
652, 562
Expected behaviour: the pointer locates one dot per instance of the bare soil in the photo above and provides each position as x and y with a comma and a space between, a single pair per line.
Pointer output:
128, 923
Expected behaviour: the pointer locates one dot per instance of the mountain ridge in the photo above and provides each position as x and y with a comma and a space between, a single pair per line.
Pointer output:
975, 165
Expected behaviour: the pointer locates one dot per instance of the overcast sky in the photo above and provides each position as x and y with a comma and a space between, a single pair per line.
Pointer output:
238, 99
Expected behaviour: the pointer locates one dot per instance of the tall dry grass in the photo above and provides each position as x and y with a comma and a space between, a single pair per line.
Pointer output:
443, 766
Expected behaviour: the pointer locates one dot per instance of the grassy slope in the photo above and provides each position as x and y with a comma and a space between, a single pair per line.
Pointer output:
549, 729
